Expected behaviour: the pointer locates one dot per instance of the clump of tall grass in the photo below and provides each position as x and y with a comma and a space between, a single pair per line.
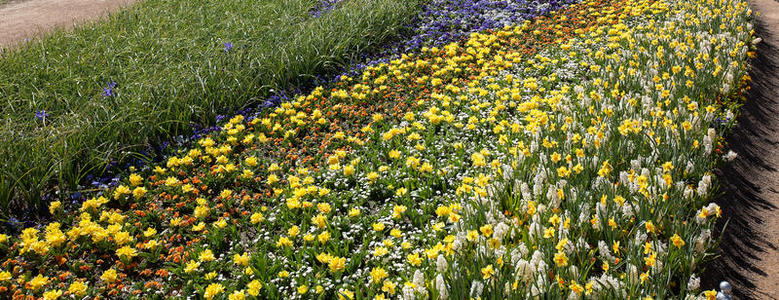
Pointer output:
74, 101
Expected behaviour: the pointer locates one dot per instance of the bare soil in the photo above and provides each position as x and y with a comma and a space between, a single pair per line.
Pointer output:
27, 19
749, 251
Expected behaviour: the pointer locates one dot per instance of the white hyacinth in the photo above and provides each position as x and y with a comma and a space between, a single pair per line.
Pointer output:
730, 156
440, 286
441, 264
694, 283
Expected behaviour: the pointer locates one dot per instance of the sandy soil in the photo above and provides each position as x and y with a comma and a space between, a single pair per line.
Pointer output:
25, 19
749, 253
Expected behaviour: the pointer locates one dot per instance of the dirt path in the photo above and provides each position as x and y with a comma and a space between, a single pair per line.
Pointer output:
24, 19
750, 246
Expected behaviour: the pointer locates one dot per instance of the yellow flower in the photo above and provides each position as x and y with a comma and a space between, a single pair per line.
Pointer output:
487, 272
319, 220
254, 287
443, 211
372, 176
241, 260
336, 264
478, 159
348, 170
171, 181
398, 210
210, 275
710, 294
388, 287
354, 212
650, 227
151, 244
213, 290
139, 192
135, 179
576, 288
308, 237
323, 257
323, 208
323, 237
77, 288
54, 206
126, 252
293, 231
52, 295
380, 251
677, 241
303, 289
414, 259
237, 295
345, 294
284, 242
5, 276
109, 276
191, 266
378, 226
256, 218
605, 169
378, 274
472, 235
251, 161
486, 230
225, 194
120, 191
651, 259
206, 255
560, 259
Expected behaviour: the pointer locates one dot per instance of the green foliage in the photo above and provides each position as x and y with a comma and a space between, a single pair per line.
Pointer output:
171, 69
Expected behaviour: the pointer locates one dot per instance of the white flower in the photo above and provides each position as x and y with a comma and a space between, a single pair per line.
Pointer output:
730, 156
440, 286
524, 270
704, 185
476, 289
500, 230
694, 283
702, 241
441, 264
408, 293
419, 278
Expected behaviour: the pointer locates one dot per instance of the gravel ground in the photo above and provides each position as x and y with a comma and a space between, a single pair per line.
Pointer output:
26, 19
749, 253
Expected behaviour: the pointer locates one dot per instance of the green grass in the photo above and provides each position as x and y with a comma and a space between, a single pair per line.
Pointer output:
171, 69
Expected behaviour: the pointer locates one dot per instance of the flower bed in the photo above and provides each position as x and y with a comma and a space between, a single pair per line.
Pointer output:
564, 157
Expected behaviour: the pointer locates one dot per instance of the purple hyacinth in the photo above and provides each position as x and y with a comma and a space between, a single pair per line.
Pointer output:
108, 90
41, 115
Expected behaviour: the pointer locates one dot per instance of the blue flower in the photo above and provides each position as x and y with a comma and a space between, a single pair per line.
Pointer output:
108, 91
41, 115
228, 46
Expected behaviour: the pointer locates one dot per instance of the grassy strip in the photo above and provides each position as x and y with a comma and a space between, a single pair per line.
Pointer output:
170, 67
